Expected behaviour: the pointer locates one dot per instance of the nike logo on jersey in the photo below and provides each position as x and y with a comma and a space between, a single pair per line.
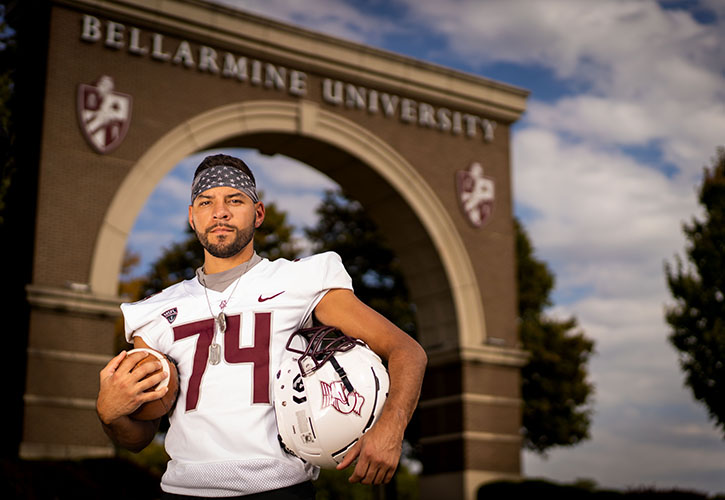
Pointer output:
263, 299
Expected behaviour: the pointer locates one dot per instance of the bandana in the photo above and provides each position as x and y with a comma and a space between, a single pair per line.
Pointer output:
223, 175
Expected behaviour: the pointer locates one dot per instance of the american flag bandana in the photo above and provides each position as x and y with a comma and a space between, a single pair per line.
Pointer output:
223, 175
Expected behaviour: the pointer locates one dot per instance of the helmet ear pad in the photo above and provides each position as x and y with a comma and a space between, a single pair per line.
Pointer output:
327, 395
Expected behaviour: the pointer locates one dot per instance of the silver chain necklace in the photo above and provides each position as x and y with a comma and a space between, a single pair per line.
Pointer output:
220, 320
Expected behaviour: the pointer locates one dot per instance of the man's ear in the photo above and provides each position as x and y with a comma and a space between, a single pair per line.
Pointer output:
259, 214
191, 219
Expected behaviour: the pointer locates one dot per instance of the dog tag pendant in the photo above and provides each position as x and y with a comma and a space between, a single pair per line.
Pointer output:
215, 350
221, 322
215, 354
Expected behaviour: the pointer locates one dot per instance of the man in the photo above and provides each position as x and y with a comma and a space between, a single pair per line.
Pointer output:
227, 329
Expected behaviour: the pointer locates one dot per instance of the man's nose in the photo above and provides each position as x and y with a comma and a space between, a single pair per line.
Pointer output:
221, 211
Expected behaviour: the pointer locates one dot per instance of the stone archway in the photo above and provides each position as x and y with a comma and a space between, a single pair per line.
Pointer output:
394, 131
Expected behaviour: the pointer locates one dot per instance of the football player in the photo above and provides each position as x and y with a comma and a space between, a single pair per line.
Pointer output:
227, 329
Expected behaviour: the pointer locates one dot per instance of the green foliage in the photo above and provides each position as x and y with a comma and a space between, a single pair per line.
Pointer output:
178, 262
535, 281
698, 317
345, 228
273, 239
334, 485
554, 388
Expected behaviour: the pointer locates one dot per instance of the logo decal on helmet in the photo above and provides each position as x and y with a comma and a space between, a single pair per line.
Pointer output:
299, 386
337, 395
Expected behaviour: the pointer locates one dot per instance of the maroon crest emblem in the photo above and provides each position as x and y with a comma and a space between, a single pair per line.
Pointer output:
475, 194
337, 396
103, 114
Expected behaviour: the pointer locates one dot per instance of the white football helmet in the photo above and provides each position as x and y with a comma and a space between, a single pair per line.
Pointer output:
327, 395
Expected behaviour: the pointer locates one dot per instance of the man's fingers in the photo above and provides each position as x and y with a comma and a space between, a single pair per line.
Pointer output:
360, 473
132, 360
112, 365
373, 474
145, 369
147, 383
153, 395
389, 476
349, 457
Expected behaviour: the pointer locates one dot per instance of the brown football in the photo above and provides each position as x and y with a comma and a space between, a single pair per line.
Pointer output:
159, 407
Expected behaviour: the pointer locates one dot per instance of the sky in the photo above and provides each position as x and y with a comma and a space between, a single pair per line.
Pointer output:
627, 106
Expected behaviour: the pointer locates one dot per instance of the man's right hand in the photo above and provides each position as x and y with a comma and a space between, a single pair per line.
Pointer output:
123, 389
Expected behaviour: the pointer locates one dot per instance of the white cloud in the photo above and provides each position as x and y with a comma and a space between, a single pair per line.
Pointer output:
640, 73
637, 453
331, 17
595, 203
175, 189
600, 119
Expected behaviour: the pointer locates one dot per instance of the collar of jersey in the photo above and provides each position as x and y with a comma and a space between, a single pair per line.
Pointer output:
219, 282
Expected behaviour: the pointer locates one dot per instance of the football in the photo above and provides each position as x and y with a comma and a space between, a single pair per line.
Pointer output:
159, 407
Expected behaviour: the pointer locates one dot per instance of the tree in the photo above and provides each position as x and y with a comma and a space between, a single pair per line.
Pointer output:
344, 227
274, 239
554, 388
697, 318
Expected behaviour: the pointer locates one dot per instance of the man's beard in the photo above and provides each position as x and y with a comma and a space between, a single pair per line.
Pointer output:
226, 249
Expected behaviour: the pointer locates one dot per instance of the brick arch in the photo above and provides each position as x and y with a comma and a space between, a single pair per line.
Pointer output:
455, 305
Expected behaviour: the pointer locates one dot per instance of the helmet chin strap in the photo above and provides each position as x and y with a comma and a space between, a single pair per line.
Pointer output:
343, 376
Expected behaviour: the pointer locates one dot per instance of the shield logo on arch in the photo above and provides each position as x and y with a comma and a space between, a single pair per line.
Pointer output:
103, 114
475, 194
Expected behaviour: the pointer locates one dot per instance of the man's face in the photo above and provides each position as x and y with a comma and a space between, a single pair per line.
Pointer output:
224, 220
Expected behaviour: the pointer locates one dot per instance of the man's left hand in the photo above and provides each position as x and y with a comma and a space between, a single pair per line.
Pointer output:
377, 453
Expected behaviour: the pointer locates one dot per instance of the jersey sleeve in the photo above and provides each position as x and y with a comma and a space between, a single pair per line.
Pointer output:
144, 319
327, 272
335, 275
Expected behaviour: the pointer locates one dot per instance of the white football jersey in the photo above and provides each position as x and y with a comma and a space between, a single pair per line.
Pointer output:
223, 435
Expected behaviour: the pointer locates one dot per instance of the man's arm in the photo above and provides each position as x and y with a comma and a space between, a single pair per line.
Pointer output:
378, 451
121, 392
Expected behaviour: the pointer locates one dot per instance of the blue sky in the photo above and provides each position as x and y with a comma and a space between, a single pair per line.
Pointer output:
627, 105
